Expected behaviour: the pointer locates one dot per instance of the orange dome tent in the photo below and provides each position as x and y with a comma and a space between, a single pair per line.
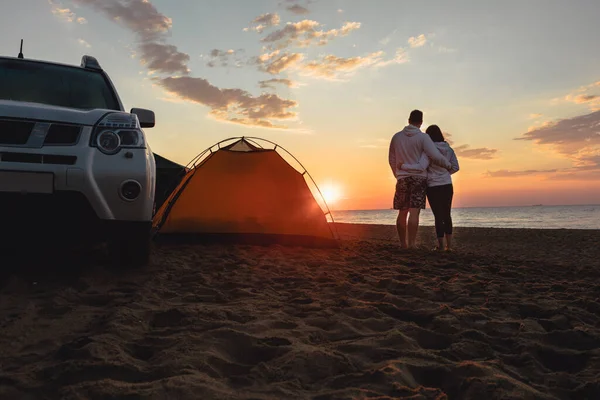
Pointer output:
244, 192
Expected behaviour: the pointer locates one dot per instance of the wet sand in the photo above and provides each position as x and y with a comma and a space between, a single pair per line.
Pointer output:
511, 314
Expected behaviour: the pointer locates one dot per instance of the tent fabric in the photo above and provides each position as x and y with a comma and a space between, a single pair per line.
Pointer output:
241, 145
236, 193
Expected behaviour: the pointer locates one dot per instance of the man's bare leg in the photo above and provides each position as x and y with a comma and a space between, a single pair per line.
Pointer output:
413, 226
440, 243
401, 227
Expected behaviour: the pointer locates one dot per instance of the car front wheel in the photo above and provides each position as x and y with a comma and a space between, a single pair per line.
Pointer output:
130, 248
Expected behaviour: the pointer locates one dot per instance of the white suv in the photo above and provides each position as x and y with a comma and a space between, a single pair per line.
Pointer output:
73, 163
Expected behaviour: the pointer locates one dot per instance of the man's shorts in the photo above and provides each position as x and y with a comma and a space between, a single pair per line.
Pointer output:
410, 193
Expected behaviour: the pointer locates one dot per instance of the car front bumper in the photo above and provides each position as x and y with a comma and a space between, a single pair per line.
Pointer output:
81, 172
64, 216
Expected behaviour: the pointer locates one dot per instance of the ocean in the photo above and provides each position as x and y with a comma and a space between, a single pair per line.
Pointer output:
537, 217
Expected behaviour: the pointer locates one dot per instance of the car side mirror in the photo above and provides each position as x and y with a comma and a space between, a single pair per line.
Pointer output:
146, 117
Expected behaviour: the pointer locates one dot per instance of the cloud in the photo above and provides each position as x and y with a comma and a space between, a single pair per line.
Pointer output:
417, 41
332, 67
583, 98
399, 58
306, 33
580, 175
275, 63
264, 21
231, 105
225, 58
573, 137
165, 58
65, 13
386, 40
298, 9
589, 94
234, 105
504, 173
592, 99
84, 43
482, 153
329, 66
535, 116
577, 139
151, 26
565, 174
270, 83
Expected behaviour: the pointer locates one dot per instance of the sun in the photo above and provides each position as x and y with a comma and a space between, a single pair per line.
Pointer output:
331, 192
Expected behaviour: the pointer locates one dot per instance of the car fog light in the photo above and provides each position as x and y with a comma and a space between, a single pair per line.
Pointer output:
130, 190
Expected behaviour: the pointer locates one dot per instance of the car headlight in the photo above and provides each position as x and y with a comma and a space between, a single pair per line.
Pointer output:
108, 142
117, 131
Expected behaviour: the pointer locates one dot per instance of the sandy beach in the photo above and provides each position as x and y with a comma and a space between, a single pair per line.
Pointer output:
511, 314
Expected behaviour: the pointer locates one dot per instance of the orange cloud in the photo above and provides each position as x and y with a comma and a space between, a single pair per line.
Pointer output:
399, 58
264, 21
586, 95
306, 33
234, 105
570, 136
504, 173
65, 13
230, 105
482, 153
270, 83
275, 63
417, 41
332, 67
576, 138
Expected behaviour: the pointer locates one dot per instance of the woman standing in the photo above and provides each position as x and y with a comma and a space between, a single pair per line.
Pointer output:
439, 186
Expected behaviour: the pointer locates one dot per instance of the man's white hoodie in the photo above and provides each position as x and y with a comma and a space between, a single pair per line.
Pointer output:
436, 175
407, 146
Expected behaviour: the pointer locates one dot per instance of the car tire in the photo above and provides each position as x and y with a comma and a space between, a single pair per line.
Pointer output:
130, 252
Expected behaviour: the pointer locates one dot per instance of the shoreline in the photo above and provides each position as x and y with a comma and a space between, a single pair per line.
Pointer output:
371, 225
484, 207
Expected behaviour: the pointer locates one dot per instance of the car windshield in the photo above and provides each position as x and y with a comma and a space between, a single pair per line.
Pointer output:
56, 85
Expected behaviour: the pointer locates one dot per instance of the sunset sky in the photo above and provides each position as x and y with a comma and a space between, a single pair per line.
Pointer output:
515, 84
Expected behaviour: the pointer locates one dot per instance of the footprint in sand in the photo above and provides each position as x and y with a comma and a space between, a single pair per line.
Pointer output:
562, 360
242, 349
169, 318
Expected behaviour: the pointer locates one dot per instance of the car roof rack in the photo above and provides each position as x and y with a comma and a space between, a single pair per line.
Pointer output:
89, 62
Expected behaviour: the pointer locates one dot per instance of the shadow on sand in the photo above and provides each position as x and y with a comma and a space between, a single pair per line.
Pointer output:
50, 263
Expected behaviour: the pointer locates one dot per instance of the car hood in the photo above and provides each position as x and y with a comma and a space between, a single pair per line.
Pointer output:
44, 112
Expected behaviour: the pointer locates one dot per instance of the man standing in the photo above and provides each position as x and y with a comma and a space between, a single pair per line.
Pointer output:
407, 146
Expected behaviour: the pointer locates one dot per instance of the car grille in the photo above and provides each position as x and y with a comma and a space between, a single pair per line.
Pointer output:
62, 134
17, 133
33, 158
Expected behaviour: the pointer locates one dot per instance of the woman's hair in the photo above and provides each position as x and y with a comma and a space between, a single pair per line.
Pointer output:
435, 133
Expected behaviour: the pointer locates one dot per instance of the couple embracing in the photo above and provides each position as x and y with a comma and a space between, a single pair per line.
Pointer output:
422, 164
